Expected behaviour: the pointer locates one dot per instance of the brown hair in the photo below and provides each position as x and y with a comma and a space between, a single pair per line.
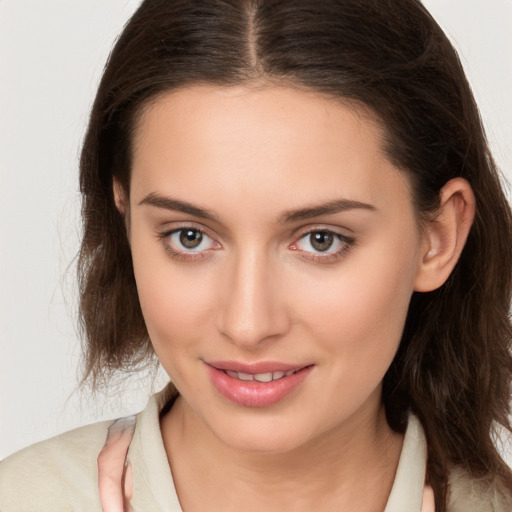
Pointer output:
454, 365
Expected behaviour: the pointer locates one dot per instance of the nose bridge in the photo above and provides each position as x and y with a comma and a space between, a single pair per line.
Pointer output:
252, 311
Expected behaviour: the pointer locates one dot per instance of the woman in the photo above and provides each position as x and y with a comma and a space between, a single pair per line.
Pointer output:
293, 206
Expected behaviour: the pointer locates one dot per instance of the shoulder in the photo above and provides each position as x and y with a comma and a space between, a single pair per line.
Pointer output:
468, 493
57, 474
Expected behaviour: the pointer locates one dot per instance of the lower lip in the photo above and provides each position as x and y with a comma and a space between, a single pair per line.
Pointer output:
254, 393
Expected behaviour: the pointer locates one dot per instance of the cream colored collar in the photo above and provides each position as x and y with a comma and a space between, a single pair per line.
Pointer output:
153, 487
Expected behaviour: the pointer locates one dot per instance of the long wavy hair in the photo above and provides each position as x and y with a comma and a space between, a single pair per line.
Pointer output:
454, 365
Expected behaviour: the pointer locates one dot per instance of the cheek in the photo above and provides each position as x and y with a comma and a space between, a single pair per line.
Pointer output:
357, 326
176, 300
359, 313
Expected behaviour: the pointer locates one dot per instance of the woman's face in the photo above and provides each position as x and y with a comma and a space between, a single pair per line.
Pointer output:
270, 234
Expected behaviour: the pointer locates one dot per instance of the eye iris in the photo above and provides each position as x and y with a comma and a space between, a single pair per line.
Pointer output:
190, 238
321, 240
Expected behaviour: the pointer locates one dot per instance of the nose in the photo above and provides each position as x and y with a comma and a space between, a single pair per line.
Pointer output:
253, 309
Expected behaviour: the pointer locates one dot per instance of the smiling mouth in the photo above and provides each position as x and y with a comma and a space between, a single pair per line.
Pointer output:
260, 377
257, 385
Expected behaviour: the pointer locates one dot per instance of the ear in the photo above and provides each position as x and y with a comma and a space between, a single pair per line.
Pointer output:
122, 204
120, 198
445, 235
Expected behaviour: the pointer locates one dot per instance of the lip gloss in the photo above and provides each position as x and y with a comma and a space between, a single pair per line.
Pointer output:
251, 393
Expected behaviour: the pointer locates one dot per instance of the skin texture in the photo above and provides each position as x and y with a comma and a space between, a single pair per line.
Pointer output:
257, 290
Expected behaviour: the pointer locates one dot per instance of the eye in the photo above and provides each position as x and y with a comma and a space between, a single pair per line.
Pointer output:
188, 243
323, 245
189, 238
321, 240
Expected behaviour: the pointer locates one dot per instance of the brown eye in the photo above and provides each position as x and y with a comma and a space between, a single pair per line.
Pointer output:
321, 240
188, 244
190, 238
323, 245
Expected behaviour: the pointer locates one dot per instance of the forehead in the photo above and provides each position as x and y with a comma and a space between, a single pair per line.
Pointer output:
269, 143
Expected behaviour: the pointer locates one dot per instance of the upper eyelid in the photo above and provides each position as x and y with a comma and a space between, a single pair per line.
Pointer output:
333, 231
167, 230
343, 238
301, 232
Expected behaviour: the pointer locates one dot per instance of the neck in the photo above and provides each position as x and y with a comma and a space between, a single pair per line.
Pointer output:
349, 468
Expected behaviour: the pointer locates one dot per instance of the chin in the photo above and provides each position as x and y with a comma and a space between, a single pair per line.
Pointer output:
264, 443
265, 435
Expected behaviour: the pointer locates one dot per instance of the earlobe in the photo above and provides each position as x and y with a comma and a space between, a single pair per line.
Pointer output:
445, 235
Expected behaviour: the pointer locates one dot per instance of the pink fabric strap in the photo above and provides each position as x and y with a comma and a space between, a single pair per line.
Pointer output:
428, 503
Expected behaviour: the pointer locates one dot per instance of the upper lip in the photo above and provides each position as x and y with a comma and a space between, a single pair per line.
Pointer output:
256, 367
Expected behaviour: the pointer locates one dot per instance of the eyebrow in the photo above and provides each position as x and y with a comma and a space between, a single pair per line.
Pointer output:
168, 203
330, 208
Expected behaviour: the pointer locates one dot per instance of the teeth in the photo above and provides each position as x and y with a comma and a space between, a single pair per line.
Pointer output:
260, 377
263, 377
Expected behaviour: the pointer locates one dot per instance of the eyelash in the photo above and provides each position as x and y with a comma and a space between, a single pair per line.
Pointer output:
184, 255
317, 257
327, 257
